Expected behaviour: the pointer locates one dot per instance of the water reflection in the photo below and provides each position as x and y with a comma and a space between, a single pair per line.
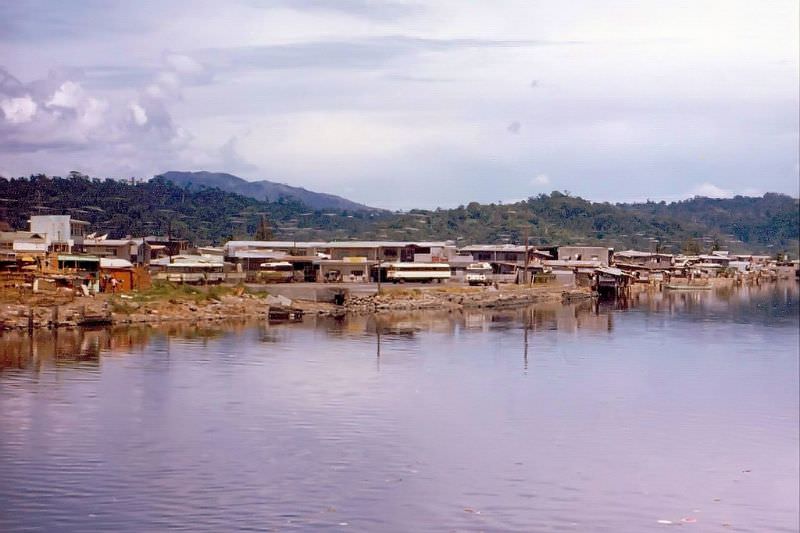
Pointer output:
78, 347
588, 417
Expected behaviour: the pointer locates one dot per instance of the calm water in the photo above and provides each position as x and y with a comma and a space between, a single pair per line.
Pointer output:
546, 419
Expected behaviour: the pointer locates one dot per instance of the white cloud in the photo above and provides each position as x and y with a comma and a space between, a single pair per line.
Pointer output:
68, 95
541, 179
18, 110
710, 190
93, 113
183, 64
138, 114
335, 99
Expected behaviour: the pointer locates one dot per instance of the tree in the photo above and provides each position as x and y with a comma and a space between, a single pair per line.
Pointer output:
691, 247
264, 231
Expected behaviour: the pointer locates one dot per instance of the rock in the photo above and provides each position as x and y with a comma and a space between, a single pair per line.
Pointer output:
280, 301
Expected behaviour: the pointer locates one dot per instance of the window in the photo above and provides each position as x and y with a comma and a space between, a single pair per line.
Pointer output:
357, 273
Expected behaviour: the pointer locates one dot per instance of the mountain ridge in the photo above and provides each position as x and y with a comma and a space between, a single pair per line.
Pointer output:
263, 190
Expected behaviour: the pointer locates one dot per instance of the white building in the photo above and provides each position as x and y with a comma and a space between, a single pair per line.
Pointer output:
61, 232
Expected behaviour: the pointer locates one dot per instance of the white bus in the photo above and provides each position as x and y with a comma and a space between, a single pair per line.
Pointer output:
276, 272
187, 272
417, 272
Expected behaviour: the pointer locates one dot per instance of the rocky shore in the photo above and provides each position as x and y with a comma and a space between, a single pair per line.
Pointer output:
490, 298
235, 303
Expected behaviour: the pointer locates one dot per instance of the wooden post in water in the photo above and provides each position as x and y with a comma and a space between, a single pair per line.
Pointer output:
30, 320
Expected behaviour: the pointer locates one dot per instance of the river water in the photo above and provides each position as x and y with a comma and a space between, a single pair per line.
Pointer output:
667, 409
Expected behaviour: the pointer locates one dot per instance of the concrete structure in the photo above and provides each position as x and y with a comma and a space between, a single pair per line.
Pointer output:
61, 232
140, 252
14, 244
233, 249
169, 246
117, 248
644, 259
584, 253
393, 251
498, 253
354, 270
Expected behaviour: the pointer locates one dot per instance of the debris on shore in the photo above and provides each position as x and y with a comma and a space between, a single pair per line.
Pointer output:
180, 303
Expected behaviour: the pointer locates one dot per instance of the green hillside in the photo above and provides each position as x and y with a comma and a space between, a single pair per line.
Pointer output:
769, 224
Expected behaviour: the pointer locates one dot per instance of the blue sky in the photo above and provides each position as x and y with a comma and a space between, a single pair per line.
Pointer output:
408, 104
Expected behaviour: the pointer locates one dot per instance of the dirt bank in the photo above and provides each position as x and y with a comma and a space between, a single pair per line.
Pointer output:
190, 304
461, 298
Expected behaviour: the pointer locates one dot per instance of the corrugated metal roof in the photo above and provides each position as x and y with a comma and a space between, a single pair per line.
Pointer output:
495, 248
384, 244
79, 258
112, 262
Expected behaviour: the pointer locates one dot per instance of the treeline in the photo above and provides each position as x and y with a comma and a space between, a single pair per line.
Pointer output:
159, 207
769, 224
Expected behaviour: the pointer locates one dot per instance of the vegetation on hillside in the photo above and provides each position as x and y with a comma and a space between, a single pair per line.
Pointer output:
159, 207
769, 224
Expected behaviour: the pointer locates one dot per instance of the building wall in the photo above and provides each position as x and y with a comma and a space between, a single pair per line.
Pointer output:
370, 253
583, 253
56, 227
119, 251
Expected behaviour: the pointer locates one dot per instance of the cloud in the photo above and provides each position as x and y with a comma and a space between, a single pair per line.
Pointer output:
541, 179
340, 93
369, 9
138, 114
18, 110
183, 64
709, 190
361, 53
68, 95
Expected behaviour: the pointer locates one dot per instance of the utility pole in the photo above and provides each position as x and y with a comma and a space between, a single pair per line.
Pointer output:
379, 270
527, 259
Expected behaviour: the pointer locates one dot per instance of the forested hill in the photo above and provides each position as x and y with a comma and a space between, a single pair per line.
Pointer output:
769, 224
158, 206
268, 191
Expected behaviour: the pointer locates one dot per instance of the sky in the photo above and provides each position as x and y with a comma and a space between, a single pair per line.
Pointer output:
402, 104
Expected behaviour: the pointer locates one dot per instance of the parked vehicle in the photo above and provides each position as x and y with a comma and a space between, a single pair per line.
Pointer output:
479, 274
417, 272
193, 272
277, 272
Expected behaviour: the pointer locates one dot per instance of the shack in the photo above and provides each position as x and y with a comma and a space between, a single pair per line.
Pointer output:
119, 269
612, 281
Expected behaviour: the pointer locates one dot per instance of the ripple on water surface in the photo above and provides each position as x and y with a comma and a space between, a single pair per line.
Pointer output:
672, 408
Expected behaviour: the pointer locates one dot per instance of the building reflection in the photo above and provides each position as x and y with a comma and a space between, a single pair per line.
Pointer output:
85, 348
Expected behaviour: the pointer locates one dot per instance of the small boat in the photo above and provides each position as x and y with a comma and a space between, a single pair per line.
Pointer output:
95, 321
678, 287
284, 314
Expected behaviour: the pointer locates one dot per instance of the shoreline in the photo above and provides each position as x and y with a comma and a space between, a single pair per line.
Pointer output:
208, 305
188, 304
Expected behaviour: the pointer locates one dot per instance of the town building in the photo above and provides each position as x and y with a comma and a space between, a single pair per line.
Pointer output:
61, 232
584, 253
